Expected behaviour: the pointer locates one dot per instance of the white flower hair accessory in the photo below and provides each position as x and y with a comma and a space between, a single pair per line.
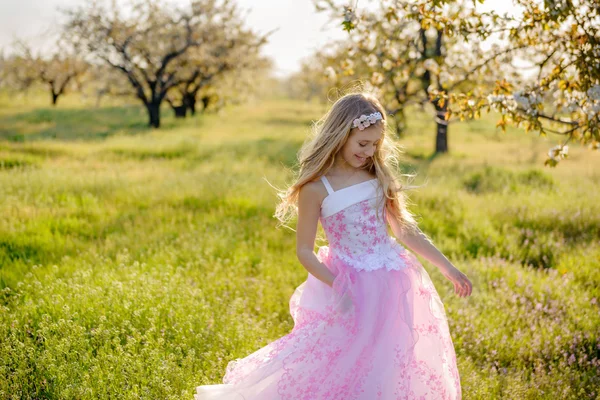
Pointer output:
365, 121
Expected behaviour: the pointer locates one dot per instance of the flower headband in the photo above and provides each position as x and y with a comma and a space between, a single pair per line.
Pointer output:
365, 121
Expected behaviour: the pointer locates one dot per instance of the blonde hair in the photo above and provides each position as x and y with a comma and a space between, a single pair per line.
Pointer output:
329, 134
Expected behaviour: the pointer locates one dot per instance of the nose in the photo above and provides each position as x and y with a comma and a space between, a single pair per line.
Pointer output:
370, 152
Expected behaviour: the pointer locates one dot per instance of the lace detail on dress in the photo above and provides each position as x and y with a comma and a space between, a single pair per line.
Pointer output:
358, 236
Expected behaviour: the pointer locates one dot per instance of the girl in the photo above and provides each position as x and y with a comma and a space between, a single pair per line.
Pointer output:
368, 322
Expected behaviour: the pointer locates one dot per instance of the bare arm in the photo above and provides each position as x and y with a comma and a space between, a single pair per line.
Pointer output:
419, 243
309, 209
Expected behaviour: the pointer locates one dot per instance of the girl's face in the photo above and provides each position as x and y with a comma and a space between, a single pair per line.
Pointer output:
361, 145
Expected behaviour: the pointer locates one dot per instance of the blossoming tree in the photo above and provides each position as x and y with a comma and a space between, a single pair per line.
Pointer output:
233, 47
558, 38
57, 69
145, 42
409, 50
561, 39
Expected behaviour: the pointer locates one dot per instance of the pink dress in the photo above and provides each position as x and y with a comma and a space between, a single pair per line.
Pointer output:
380, 333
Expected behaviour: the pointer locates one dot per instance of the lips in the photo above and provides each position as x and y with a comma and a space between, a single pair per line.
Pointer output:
361, 159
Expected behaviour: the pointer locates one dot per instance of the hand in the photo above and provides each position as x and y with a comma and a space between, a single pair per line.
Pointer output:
462, 284
344, 304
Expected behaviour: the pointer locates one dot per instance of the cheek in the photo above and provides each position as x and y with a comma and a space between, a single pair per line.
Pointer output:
348, 150
355, 149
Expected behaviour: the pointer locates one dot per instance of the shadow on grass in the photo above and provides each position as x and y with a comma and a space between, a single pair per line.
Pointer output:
154, 154
76, 124
9, 161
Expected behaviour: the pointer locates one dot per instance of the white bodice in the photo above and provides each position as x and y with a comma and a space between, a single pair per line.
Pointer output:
354, 222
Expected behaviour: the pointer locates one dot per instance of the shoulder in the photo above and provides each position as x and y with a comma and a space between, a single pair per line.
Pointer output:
313, 192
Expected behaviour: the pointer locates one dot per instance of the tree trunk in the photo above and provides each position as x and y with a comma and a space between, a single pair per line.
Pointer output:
441, 138
400, 121
189, 100
153, 114
54, 98
205, 102
180, 111
192, 105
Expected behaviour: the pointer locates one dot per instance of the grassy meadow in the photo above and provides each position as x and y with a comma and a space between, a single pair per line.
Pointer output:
136, 263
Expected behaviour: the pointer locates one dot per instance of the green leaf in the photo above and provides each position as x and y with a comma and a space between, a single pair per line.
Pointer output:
348, 25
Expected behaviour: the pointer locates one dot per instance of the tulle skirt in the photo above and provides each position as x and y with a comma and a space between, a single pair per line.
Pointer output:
375, 335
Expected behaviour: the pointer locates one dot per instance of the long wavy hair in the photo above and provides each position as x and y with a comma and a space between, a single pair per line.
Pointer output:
329, 134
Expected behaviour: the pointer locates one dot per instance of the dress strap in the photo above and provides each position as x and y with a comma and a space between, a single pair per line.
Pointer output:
327, 185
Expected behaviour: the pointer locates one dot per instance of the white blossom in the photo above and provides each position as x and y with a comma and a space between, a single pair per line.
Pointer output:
495, 98
571, 107
591, 109
521, 100
372, 60
377, 78
518, 100
330, 73
594, 92
497, 102
558, 152
446, 77
349, 14
431, 65
535, 98
526, 100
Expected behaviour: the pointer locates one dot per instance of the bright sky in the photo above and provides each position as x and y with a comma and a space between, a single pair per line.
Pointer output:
301, 30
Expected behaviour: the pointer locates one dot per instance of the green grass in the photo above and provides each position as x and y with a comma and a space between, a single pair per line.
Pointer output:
136, 263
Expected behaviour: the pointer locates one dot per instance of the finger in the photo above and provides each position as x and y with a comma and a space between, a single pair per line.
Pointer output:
460, 288
469, 286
